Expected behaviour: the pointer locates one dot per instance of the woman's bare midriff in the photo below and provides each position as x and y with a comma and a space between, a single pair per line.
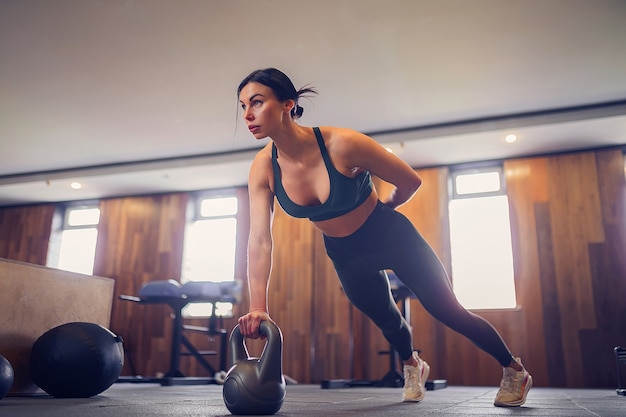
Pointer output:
350, 222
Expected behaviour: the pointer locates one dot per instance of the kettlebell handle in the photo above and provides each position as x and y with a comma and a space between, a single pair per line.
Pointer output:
271, 360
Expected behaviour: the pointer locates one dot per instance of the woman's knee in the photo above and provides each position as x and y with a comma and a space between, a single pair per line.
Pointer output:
452, 315
383, 313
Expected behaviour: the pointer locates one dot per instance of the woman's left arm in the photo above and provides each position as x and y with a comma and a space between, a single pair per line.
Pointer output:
362, 152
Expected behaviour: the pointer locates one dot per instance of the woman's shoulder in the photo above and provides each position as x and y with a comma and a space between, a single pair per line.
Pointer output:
334, 132
341, 139
265, 151
262, 161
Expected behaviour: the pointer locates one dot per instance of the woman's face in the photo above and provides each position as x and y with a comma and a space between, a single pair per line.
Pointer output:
261, 109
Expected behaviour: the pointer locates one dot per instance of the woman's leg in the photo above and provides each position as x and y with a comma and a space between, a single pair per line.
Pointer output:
388, 240
419, 268
368, 290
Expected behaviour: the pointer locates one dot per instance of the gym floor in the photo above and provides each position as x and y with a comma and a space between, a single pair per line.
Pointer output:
132, 399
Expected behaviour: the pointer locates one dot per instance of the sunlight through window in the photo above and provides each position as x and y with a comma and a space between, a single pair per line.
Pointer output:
78, 247
73, 245
483, 182
480, 238
209, 249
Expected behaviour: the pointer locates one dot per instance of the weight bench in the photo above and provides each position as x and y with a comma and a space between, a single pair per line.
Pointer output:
177, 297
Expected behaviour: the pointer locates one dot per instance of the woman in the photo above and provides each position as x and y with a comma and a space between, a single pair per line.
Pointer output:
324, 174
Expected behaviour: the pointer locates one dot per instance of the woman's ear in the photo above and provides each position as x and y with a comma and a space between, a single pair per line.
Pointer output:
289, 106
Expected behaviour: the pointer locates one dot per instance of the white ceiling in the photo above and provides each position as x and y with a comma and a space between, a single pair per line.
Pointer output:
133, 97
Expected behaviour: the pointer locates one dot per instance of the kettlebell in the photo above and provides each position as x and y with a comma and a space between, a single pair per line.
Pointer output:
255, 385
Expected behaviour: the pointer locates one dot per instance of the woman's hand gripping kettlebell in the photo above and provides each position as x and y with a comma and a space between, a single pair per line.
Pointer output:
249, 324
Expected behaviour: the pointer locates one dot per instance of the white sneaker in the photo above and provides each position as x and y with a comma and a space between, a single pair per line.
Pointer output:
513, 387
414, 380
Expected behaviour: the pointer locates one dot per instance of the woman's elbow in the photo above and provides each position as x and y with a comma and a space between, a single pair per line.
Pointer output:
415, 184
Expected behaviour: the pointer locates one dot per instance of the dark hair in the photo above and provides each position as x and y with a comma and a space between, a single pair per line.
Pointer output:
281, 85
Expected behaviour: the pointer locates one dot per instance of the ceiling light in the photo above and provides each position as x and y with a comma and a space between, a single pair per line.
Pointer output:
76, 185
510, 138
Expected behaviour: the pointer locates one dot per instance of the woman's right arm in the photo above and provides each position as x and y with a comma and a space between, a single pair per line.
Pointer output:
259, 245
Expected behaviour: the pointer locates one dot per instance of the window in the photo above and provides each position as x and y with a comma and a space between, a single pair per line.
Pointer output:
73, 242
209, 247
480, 238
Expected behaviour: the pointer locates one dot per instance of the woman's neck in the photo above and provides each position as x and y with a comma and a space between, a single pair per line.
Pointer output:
293, 141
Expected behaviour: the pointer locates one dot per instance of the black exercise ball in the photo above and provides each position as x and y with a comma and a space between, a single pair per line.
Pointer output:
76, 360
6, 376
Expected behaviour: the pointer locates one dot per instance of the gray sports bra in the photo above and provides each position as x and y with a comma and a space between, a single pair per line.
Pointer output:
346, 193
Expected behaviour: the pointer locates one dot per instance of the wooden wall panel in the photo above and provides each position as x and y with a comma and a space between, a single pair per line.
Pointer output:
291, 291
608, 275
569, 239
25, 233
527, 189
140, 239
571, 200
551, 317
331, 314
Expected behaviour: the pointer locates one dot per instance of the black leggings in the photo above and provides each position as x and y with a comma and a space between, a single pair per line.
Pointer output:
388, 240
